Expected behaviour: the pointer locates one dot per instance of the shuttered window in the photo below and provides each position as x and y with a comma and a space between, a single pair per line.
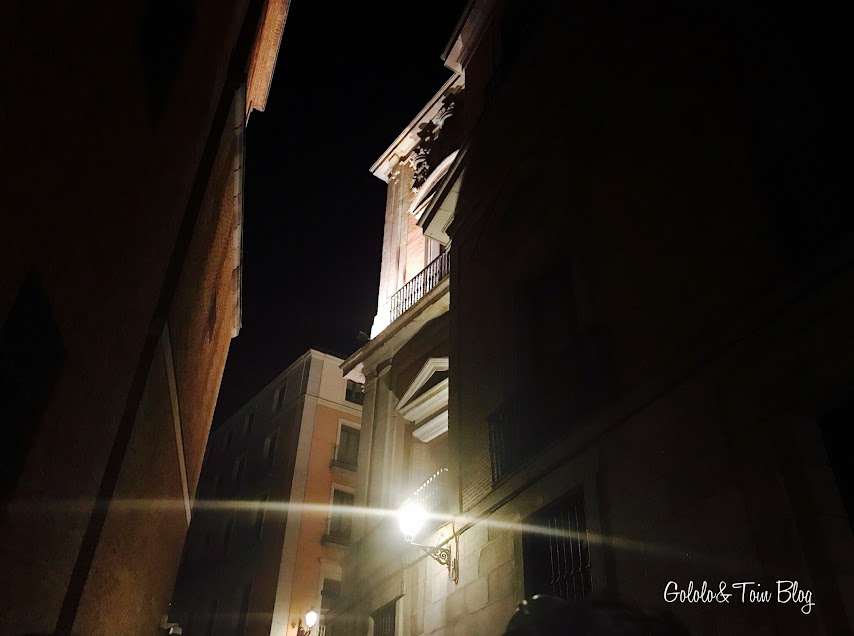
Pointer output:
340, 521
348, 446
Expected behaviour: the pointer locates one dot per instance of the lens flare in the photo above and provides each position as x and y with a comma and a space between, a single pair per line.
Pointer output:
311, 618
411, 518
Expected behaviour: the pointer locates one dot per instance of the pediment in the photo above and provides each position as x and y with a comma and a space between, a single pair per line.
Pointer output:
428, 391
428, 189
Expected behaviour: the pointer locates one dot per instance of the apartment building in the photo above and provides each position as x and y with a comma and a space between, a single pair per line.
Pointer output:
272, 519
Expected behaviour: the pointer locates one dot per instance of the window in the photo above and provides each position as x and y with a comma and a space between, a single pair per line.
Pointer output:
31, 355
384, 620
248, 423
244, 610
355, 392
259, 515
557, 562
331, 590
211, 619
206, 546
270, 447
229, 528
347, 452
237, 471
279, 398
191, 618
546, 330
340, 521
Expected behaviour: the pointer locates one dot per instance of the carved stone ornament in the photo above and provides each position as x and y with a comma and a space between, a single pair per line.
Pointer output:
428, 134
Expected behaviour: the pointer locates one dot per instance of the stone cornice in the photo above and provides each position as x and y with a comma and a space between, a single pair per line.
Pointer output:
265, 52
401, 148
467, 34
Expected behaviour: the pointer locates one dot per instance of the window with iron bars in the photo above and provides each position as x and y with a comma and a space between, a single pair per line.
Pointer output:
384, 620
556, 560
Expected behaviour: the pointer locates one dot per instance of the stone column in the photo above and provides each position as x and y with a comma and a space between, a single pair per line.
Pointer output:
386, 449
363, 475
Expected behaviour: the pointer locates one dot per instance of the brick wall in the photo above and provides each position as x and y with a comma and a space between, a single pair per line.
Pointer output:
100, 183
202, 317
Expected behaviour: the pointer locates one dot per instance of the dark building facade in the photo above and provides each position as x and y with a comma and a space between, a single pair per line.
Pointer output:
651, 285
123, 136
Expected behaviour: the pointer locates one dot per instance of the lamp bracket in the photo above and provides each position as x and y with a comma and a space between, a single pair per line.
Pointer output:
442, 556
439, 554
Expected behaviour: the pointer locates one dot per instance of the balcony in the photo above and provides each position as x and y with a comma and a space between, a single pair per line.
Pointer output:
432, 496
407, 296
347, 461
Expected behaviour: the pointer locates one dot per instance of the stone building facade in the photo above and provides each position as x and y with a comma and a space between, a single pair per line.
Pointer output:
120, 293
271, 521
647, 360
404, 447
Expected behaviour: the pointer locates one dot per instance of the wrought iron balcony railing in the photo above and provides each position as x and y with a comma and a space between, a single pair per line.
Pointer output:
432, 495
414, 290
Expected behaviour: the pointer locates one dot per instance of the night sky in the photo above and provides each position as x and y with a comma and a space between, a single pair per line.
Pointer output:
346, 83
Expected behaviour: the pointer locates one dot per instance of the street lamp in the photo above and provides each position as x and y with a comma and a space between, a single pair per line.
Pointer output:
310, 621
411, 517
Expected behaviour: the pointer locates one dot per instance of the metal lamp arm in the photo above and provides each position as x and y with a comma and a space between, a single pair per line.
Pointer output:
442, 556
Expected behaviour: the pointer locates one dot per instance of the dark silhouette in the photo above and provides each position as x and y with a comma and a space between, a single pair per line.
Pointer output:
552, 616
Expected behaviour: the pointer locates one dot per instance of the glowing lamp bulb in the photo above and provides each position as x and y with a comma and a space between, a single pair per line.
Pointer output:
411, 518
311, 618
